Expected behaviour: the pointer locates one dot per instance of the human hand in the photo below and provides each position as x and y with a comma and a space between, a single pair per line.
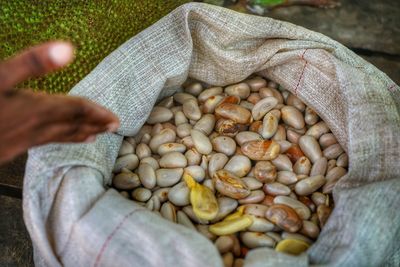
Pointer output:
29, 119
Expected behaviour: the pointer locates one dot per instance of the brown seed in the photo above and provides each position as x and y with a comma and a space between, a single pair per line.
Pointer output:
228, 259
265, 171
171, 147
126, 148
285, 217
308, 202
268, 200
159, 114
238, 262
292, 117
224, 144
193, 157
156, 129
141, 194
239, 165
332, 177
318, 198
323, 213
256, 127
293, 136
210, 92
343, 160
294, 101
130, 161
256, 83
294, 153
224, 244
173, 160
228, 127
285, 145
168, 125
287, 177
302, 210
217, 162
331, 164
271, 92
302, 166
230, 99
263, 106
254, 98
332, 151
247, 136
183, 97
126, 181
310, 229
191, 109
246, 104
280, 134
310, 147
255, 196
194, 89
205, 124
256, 239
257, 210
183, 130
211, 103
260, 224
146, 129
147, 175
226, 206
283, 163
203, 229
234, 112
318, 129
309, 185
261, 150
270, 125
230, 185
319, 167
165, 136
310, 116
327, 139
276, 189
252, 183
241, 90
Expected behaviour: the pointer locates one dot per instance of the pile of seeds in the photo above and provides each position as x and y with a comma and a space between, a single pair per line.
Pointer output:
248, 166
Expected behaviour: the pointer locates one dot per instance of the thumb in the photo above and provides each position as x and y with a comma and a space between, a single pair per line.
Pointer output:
35, 61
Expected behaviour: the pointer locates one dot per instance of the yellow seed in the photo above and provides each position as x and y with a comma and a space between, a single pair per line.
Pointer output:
204, 203
227, 227
236, 214
292, 246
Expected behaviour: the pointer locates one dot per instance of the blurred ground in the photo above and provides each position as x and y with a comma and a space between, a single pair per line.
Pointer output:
369, 28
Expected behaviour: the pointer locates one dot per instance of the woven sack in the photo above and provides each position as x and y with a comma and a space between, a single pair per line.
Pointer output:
75, 219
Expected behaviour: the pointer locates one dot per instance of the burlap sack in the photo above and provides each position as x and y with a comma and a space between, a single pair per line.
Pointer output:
74, 219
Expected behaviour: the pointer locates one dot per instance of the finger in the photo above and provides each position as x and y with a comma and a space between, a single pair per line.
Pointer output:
35, 61
66, 133
83, 111
52, 109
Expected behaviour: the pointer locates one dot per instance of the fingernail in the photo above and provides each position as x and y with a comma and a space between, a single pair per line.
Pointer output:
112, 127
61, 53
90, 139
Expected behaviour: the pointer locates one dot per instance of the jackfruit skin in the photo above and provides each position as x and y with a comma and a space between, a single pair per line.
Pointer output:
95, 27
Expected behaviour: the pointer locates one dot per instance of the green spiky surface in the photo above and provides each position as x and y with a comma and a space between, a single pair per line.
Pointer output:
95, 27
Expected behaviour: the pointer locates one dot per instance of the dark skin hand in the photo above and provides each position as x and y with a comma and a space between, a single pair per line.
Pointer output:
29, 119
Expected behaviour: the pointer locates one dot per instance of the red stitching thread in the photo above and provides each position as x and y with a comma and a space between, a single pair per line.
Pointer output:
302, 72
103, 248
